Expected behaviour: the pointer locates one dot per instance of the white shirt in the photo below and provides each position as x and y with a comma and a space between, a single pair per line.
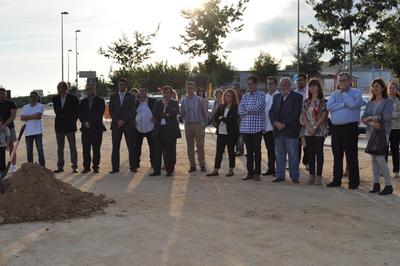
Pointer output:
121, 97
144, 118
303, 92
222, 126
33, 127
268, 104
163, 122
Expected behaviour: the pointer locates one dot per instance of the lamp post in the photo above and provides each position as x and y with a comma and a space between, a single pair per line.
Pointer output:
62, 43
76, 58
298, 37
69, 51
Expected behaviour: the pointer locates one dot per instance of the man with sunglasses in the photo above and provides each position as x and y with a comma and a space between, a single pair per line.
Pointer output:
32, 116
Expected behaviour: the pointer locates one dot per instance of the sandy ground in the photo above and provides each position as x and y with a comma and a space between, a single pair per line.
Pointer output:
194, 220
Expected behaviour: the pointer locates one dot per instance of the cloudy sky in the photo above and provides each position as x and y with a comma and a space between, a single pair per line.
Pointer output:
30, 52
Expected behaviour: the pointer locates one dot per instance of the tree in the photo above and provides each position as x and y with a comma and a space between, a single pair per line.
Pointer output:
207, 28
131, 54
223, 73
310, 61
353, 18
265, 65
382, 47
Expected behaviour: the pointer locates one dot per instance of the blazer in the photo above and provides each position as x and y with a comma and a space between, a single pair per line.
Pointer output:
171, 117
287, 112
126, 112
231, 120
92, 115
66, 116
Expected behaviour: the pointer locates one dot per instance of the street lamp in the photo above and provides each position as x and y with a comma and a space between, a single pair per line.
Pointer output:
76, 58
62, 43
69, 51
298, 37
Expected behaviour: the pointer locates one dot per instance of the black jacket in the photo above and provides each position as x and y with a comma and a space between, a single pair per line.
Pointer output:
171, 118
287, 112
231, 120
66, 116
92, 115
126, 112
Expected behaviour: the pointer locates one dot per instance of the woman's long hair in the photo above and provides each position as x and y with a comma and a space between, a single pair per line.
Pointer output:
315, 82
384, 88
235, 98
394, 83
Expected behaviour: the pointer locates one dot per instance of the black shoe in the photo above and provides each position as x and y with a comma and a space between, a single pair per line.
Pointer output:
351, 187
213, 174
203, 169
168, 174
277, 180
247, 177
296, 181
386, 191
96, 170
155, 174
376, 188
192, 169
134, 170
333, 184
114, 171
85, 171
74, 171
269, 172
59, 170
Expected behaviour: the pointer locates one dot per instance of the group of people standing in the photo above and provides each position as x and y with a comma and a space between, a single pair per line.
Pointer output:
290, 121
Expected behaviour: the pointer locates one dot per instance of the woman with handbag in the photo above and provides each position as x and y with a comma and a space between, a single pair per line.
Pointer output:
226, 119
378, 118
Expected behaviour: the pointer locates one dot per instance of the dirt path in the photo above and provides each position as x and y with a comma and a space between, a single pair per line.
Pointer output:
194, 220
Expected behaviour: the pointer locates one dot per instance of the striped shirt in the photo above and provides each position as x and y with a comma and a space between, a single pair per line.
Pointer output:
193, 110
252, 113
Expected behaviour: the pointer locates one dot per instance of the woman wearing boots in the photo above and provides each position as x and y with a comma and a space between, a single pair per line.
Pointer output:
378, 113
394, 138
226, 119
314, 120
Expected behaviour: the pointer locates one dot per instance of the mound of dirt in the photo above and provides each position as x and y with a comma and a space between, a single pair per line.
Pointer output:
34, 194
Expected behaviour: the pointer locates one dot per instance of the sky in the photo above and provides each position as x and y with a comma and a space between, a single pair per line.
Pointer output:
30, 35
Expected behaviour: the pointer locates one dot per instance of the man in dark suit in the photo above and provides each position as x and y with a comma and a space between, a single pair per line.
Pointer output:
91, 110
66, 108
285, 118
144, 124
122, 108
166, 132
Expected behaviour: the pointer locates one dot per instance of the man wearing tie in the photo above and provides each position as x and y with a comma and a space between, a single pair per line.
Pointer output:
66, 108
122, 111
91, 110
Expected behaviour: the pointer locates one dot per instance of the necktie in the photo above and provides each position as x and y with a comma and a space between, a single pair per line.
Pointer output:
121, 98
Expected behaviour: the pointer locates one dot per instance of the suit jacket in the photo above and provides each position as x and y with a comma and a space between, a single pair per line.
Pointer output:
287, 112
231, 120
126, 112
171, 117
66, 116
92, 115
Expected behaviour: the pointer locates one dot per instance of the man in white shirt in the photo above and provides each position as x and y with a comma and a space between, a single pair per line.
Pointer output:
269, 132
144, 124
32, 116
303, 90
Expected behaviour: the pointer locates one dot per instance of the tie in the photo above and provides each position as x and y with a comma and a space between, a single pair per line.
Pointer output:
121, 98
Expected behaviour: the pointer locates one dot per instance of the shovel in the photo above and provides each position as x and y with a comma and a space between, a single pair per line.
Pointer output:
14, 151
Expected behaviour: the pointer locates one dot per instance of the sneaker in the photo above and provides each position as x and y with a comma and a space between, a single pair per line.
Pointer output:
13, 168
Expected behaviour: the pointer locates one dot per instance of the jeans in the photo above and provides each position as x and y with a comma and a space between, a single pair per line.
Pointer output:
315, 153
2, 159
379, 166
72, 147
38, 139
253, 147
394, 148
240, 145
289, 146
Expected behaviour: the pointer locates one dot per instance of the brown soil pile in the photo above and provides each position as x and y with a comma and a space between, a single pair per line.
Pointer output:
34, 194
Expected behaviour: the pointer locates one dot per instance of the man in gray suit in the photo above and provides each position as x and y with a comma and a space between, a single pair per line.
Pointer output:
122, 111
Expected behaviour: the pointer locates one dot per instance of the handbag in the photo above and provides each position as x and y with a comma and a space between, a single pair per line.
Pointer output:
377, 144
